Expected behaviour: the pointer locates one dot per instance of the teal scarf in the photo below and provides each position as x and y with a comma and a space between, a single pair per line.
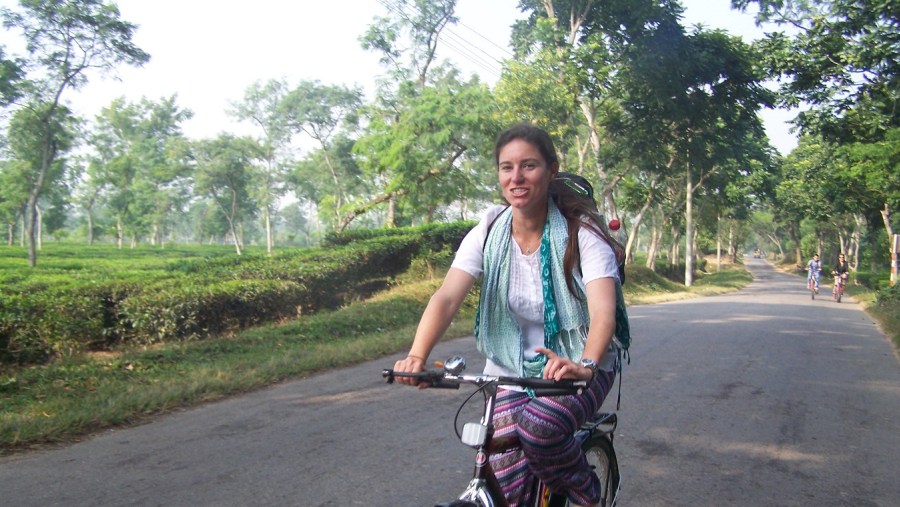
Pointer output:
566, 318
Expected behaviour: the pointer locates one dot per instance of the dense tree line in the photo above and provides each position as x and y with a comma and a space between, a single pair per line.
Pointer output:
663, 118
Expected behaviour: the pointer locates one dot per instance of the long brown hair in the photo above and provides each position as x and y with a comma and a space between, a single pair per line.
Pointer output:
574, 197
572, 194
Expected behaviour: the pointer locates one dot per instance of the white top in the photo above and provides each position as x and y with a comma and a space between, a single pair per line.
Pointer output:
526, 300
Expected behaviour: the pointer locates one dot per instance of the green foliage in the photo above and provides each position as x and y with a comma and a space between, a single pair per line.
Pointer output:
889, 296
867, 279
434, 236
73, 305
50, 323
78, 395
186, 310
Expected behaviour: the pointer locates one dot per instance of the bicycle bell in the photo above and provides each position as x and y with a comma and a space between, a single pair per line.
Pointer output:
455, 365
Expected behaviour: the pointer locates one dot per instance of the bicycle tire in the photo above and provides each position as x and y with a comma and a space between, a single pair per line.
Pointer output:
602, 458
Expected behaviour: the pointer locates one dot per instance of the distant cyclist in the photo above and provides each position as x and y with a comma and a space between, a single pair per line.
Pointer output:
841, 269
814, 271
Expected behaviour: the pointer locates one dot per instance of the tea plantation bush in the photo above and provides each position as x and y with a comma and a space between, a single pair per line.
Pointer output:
70, 308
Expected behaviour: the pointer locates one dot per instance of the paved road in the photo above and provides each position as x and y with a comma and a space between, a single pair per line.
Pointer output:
761, 397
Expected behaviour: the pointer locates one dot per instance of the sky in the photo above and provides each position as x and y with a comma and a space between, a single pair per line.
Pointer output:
207, 52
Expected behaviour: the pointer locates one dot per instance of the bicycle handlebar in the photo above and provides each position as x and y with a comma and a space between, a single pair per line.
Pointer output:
444, 380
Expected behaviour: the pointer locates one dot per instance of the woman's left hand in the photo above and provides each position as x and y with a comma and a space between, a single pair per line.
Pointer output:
558, 368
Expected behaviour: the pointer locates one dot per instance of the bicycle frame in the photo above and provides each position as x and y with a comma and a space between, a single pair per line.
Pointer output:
483, 490
840, 280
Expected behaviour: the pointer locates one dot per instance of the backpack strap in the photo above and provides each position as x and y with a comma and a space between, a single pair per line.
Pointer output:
490, 226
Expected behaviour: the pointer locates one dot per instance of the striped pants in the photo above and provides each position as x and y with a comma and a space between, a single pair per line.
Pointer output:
545, 427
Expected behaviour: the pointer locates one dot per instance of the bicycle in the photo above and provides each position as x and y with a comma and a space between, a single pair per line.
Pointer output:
811, 285
839, 281
595, 436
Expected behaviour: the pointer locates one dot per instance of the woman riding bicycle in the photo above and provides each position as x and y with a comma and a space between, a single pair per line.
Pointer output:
547, 309
841, 270
841, 267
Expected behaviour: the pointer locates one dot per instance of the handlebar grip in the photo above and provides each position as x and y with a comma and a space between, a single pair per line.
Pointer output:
547, 387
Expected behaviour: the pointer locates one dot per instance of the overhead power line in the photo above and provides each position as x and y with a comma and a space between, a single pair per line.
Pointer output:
461, 45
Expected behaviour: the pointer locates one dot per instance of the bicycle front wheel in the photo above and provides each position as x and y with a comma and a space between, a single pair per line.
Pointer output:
602, 458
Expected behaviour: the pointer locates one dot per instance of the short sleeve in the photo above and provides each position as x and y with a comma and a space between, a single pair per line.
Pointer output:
598, 260
470, 255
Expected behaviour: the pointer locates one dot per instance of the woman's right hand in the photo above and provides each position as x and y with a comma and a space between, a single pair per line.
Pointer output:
411, 364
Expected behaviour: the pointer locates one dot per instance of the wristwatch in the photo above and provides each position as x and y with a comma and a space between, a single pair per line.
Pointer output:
592, 365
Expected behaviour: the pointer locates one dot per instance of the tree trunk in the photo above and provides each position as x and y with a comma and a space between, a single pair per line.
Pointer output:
234, 237
718, 243
857, 239
654, 245
30, 227
90, 226
120, 232
688, 230
777, 242
651, 250
270, 241
732, 248
636, 224
391, 220
793, 232
886, 217
674, 251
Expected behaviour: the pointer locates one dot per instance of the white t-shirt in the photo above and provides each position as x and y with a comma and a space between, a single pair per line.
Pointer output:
526, 300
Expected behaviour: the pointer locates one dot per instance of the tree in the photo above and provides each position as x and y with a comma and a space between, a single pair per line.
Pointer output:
140, 162
112, 167
224, 173
263, 105
13, 195
842, 58
705, 114
29, 129
87, 196
421, 29
585, 49
873, 176
420, 147
427, 128
65, 40
161, 154
11, 75
327, 115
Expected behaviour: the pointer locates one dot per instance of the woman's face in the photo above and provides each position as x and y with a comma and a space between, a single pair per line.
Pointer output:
524, 175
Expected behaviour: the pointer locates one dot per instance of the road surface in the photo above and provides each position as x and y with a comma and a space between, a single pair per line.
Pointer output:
760, 397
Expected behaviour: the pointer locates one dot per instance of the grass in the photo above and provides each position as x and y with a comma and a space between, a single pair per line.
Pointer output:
885, 313
69, 399
643, 286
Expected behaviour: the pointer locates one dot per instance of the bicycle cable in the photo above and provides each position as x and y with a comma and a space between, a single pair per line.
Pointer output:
466, 402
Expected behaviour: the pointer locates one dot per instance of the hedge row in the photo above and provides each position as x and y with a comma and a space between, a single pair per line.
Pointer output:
207, 298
